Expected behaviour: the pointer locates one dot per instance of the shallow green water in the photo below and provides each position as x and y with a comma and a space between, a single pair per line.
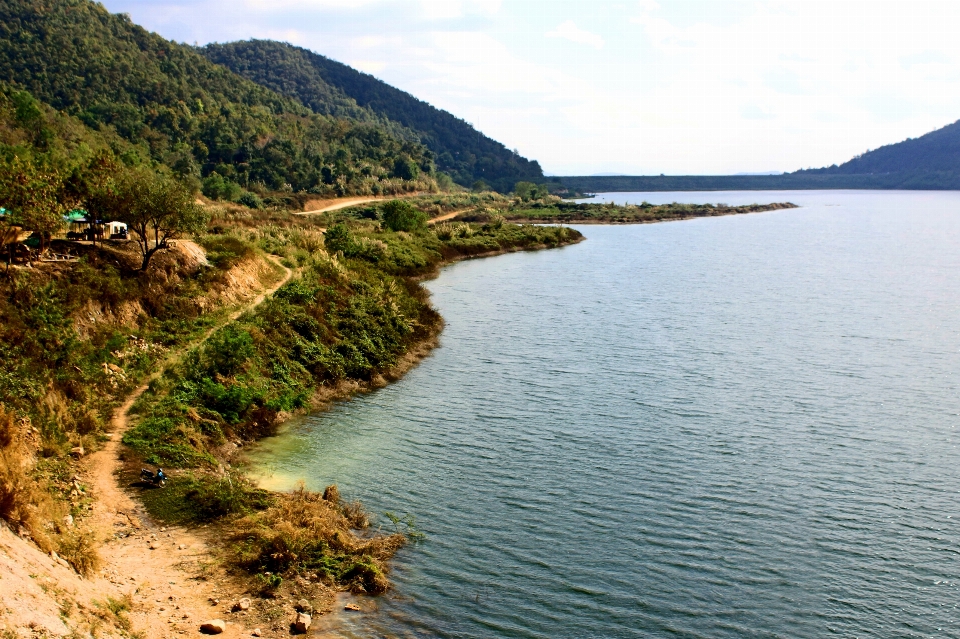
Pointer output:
730, 427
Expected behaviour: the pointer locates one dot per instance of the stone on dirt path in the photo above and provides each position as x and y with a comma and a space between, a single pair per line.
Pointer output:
213, 627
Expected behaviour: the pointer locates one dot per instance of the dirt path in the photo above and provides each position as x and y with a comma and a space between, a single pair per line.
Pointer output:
157, 566
446, 216
105, 463
341, 203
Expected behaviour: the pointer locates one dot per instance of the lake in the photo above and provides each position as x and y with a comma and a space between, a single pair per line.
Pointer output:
740, 426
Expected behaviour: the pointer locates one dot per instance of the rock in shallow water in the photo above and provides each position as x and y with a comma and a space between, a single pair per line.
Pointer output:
302, 623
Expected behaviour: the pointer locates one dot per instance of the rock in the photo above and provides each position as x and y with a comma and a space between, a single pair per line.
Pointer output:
77, 452
304, 606
243, 604
302, 623
352, 606
214, 602
213, 627
256, 632
68, 521
154, 545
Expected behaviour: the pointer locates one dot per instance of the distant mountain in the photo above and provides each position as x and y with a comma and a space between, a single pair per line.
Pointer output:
937, 151
930, 162
197, 117
328, 86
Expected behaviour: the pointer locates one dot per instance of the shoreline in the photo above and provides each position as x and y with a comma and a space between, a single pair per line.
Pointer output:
714, 212
325, 397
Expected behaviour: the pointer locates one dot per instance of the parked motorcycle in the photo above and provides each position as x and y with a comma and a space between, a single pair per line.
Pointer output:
156, 479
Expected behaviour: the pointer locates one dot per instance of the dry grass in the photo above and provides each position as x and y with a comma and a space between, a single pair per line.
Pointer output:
79, 547
23, 504
29, 508
305, 532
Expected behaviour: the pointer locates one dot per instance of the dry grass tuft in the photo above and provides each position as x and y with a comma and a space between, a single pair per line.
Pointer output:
23, 504
29, 509
305, 531
80, 548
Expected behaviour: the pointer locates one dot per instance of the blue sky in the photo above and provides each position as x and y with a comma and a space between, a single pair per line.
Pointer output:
640, 87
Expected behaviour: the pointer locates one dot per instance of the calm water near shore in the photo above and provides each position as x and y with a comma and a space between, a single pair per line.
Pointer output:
740, 426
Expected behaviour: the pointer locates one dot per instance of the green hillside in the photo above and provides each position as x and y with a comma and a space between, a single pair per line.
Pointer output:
323, 84
195, 116
935, 152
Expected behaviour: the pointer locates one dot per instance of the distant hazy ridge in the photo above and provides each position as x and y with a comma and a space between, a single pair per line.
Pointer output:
931, 161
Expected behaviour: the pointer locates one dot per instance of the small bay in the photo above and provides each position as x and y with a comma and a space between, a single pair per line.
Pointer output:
740, 426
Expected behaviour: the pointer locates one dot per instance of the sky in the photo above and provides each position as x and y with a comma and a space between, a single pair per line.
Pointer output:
640, 88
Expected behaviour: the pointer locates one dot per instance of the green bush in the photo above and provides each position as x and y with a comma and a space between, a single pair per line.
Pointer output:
251, 200
227, 351
399, 215
217, 187
338, 238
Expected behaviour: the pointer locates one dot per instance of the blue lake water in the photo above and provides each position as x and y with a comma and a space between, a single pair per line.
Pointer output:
740, 426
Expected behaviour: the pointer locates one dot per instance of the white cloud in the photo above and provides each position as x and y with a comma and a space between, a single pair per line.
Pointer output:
570, 31
700, 86
368, 66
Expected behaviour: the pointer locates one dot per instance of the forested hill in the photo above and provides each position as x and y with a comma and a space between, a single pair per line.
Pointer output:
937, 151
197, 117
321, 83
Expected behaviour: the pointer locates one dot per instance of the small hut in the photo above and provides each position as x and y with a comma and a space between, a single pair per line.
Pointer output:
115, 230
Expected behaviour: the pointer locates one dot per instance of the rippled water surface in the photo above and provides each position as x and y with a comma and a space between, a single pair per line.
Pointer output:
728, 427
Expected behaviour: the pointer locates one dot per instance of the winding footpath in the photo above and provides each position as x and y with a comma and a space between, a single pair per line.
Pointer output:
168, 572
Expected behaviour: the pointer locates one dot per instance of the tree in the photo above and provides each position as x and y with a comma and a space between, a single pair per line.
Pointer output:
156, 208
338, 238
527, 191
405, 168
401, 216
35, 196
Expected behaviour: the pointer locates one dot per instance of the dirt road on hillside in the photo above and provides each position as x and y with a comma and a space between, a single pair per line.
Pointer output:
340, 203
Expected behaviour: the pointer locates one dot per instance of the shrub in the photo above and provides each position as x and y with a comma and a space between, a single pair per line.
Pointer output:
203, 498
338, 238
444, 231
405, 169
79, 549
304, 531
227, 351
217, 187
402, 216
251, 200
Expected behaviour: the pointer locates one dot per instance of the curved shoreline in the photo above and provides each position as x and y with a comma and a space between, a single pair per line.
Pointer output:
324, 397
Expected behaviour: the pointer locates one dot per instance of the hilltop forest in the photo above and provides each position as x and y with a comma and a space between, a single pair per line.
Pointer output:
328, 86
198, 118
